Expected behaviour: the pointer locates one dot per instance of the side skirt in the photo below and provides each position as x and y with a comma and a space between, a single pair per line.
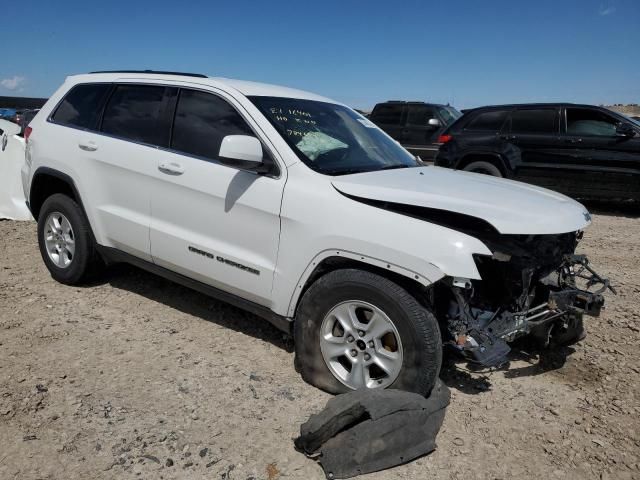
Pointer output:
112, 255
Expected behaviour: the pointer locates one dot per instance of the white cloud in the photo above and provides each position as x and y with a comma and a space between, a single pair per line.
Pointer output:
604, 11
12, 83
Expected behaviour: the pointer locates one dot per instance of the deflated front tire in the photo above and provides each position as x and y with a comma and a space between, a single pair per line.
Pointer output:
355, 329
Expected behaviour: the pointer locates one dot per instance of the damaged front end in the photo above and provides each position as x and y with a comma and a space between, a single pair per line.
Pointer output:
532, 284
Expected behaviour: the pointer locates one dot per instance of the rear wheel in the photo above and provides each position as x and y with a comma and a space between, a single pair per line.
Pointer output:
65, 241
355, 329
486, 168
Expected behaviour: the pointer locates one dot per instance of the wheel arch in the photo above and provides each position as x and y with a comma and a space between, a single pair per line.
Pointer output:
493, 158
417, 284
48, 181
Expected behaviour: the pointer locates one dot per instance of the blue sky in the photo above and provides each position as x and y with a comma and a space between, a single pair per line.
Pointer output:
467, 53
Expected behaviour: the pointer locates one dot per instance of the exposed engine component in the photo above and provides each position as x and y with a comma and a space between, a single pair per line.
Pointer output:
532, 282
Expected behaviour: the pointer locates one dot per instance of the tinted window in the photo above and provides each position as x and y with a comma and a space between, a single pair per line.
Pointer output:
388, 114
420, 115
82, 105
534, 121
133, 112
488, 121
449, 114
581, 121
202, 120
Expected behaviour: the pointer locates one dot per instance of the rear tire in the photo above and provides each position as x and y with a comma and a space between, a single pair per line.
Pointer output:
65, 241
418, 348
486, 168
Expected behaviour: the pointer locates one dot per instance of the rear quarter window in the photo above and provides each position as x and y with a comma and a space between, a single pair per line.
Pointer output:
491, 121
81, 107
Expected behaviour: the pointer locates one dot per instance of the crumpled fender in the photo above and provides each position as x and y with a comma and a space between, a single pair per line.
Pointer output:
370, 430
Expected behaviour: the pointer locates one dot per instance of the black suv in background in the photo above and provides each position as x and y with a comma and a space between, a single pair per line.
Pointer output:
579, 150
416, 125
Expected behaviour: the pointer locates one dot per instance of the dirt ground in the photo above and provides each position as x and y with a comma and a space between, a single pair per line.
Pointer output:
135, 377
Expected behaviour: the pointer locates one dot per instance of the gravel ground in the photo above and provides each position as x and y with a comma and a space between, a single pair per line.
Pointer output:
135, 377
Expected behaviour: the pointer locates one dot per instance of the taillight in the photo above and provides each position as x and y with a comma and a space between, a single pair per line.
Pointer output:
444, 138
27, 133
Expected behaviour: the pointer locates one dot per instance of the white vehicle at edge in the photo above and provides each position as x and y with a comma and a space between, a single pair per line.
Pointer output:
298, 209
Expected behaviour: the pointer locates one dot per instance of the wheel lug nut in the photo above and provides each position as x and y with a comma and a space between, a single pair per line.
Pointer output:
349, 338
371, 344
361, 333
354, 353
367, 356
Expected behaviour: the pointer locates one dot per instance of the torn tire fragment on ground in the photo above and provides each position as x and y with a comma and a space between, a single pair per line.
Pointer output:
370, 430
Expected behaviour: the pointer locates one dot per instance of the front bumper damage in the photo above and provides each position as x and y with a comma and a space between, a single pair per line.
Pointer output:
534, 285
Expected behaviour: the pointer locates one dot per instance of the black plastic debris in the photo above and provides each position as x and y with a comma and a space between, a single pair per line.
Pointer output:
370, 430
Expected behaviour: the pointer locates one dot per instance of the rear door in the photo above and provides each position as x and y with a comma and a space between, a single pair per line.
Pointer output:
607, 164
538, 153
111, 132
390, 118
211, 222
133, 126
418, 136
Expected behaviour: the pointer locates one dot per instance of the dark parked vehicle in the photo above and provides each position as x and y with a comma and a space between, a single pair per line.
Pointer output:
416, 125
579, 150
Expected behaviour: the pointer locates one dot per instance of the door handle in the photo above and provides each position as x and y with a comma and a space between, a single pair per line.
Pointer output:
87, 145
508, 137
573, 140
171, 168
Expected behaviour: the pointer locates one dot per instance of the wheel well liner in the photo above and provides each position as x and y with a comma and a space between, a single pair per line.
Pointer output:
47, 181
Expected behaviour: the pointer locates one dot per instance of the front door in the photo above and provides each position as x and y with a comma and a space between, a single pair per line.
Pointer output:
211, 222
418, 136
609, 164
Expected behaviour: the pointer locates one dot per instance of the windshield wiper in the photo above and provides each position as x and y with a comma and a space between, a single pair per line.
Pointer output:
349, 171
392, 167
343, 171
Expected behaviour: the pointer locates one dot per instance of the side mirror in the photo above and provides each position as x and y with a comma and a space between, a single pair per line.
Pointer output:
434, 122
242, 151
625, 129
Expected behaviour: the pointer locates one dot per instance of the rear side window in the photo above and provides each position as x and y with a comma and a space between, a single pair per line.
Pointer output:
581, 121
488, 121
419, 115
387, 114
81, 107
534, 121
201, 121
134, 113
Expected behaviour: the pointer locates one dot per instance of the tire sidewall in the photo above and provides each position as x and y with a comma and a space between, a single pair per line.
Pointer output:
66, 206
486, 167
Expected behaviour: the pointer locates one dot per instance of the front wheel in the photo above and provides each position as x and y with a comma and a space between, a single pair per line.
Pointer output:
355, 329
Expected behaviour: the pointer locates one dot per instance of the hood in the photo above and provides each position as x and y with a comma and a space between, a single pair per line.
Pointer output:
510, 207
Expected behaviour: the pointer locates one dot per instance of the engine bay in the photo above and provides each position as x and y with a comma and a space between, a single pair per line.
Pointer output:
532, 284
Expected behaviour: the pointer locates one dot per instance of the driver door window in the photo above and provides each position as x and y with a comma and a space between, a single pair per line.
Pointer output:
584, 122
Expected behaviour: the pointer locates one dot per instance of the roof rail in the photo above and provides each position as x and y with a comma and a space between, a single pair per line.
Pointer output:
158, 72
405, 101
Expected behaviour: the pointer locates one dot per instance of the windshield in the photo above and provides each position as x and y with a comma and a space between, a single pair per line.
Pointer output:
332, 139
449, 114
634, 120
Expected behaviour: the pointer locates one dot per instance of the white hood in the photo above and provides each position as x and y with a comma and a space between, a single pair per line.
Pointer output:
511, 207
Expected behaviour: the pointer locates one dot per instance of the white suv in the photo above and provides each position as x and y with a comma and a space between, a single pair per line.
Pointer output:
302, 211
